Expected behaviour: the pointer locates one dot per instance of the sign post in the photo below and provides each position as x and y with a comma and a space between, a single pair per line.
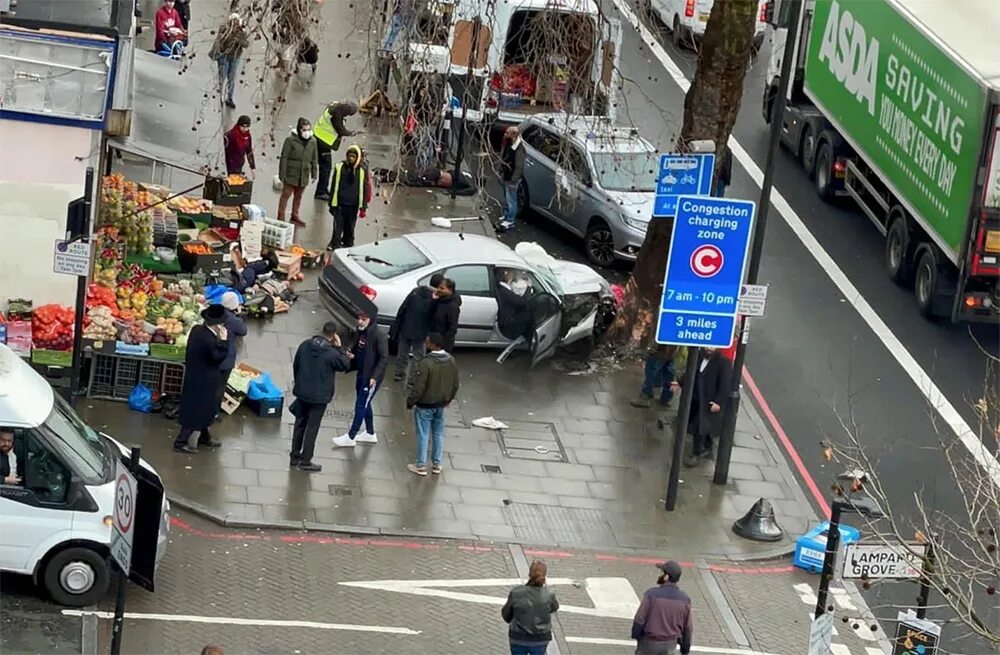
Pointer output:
701, 289
122, 532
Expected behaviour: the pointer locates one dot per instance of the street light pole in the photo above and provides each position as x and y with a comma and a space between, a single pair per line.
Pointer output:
731, 411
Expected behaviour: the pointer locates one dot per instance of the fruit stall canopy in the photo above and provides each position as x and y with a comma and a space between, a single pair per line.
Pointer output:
166, 108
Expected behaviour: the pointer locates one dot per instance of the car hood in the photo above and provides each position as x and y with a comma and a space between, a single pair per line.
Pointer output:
573, 278
636, 205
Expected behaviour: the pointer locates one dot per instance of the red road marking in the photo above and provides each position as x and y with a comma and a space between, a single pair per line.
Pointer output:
786, 443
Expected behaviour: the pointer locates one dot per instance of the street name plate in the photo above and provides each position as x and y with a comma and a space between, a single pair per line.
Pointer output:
883, 561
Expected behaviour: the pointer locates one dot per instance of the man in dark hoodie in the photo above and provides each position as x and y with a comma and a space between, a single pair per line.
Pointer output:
436, 385
369, 354
350, 193
411, 326
445, 311
316, 361
330, 131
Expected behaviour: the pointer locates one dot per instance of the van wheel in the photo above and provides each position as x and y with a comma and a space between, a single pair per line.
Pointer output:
824, 172
898, 258
600, 244
76, 577
808, 150
926, 282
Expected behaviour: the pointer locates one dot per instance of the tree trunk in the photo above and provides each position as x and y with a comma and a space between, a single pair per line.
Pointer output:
710, 109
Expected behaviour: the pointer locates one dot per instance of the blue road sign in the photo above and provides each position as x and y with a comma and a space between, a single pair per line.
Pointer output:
681, 175
708, 256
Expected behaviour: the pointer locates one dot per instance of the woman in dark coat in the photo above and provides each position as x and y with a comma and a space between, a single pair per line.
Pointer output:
207, 348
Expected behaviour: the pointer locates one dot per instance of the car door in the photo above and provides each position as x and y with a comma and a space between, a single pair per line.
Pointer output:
478, 313
35, 511
541, 153
547, 316
582, 199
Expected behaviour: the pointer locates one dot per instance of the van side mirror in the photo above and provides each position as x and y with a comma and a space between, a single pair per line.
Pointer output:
769, 13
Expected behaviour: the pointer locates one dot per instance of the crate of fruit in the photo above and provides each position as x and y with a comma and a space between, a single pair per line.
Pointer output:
278, 234
231, 191
200, 257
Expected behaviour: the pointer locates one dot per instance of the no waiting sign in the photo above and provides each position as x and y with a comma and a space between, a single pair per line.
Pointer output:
123, 526
883, 561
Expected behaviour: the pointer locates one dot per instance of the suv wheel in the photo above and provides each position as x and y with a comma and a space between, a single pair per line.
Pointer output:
600, 244
76, 577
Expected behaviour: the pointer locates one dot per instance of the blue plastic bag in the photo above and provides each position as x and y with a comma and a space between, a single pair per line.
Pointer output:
213, 294
141, 399
263, 388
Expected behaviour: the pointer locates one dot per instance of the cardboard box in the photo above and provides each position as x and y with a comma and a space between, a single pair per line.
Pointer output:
213, 238
167, 351
19, 337
289, 264
51, 357
231, 403
219, 191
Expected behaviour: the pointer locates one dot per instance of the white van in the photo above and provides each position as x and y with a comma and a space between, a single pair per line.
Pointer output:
57, 497
687, 19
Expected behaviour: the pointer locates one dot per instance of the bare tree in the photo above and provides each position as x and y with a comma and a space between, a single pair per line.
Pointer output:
963, 548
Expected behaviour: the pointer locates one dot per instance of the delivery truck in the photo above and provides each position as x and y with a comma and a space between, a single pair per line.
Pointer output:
894, 107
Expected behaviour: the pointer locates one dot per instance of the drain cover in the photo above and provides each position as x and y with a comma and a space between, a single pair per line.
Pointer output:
490, 468
531, 440
338, 490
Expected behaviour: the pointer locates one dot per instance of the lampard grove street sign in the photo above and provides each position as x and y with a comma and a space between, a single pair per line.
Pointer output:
883, 561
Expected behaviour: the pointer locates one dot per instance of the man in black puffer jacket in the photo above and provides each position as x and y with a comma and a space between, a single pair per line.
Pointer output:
445, 312
316, 361
410, 328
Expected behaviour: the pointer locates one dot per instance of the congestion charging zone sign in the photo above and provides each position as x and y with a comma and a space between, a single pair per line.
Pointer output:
705, 266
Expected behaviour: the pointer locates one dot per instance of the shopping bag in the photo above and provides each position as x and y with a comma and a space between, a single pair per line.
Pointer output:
140, 399
263, 388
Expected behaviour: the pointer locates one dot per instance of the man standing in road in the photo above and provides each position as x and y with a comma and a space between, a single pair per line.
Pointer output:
511, 170
411, 326
316, 361
445, 312
436, 385
369, 356
711, 388
664, 621
330, 130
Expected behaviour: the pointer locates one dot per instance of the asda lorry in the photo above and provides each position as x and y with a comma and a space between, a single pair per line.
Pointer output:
894, 106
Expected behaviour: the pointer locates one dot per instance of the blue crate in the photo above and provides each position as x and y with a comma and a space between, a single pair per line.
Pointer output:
810, 548
266, 407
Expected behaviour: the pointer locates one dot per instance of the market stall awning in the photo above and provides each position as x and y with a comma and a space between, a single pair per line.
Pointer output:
165, 109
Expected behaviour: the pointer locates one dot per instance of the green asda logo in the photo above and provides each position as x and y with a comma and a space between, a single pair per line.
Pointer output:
851, 55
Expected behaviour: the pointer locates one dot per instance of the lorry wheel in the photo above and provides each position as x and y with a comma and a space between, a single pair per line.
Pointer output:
807, 152
76, 577
926, 282
898, 258
824, 171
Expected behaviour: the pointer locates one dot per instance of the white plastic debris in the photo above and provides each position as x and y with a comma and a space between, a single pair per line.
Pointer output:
489, 423
442, 222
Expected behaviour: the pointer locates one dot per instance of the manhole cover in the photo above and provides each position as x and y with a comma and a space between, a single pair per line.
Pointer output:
559, 525
531, 440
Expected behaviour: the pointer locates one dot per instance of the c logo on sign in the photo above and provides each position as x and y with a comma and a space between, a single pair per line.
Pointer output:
706, 261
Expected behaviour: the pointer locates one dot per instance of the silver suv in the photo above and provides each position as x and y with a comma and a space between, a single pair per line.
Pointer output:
594, 179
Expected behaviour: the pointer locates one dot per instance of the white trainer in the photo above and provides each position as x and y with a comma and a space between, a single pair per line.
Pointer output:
343, 441
366, 437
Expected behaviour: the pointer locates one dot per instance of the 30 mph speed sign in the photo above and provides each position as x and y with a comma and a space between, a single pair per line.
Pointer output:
123, 526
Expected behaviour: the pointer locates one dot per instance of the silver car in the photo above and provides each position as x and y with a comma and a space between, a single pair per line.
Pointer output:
567, 299
592, 178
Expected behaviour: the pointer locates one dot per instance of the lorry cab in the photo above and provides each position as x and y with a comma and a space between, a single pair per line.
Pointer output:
57, 491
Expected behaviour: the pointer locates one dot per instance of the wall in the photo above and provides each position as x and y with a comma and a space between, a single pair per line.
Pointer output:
41, 171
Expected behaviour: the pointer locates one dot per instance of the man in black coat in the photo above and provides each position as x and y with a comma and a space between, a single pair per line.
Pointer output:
445, 312
369, 356
316, 361
207, 348
410, 328
11, 458
711, 388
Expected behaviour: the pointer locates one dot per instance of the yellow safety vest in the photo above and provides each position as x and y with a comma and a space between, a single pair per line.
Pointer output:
323, 129
337, 170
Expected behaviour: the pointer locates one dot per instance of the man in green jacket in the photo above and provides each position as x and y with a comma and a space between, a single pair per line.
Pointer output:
297, 167
435, 386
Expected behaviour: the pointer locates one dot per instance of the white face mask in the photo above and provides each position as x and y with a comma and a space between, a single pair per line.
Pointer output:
307, 134
519, 286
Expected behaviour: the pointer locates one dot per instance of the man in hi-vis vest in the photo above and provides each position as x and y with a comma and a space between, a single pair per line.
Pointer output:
350, 193
329, 131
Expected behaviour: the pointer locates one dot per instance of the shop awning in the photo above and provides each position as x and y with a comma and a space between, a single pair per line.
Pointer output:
165, 108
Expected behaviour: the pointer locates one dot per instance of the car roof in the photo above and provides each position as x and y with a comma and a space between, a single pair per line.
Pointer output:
455, 247
594, 133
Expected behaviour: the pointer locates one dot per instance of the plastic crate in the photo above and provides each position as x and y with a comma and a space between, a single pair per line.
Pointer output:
112, 377
278, 234
173, 378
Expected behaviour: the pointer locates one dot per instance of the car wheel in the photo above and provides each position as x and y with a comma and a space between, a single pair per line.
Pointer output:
677, 33
824, 171
600, 244
76, 577
898, 261
808, 150
926, 282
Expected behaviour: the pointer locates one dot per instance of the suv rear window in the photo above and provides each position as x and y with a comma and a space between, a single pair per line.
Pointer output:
388, 258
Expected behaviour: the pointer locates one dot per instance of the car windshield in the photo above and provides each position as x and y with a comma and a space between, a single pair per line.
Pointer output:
80, 446
388, 258
626, 171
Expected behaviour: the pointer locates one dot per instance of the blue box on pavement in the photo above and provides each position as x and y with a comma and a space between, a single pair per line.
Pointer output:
266, 407
810, 548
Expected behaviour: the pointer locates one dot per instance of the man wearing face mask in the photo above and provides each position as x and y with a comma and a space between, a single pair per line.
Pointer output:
239, 148
297, 167
513, 308
369, 356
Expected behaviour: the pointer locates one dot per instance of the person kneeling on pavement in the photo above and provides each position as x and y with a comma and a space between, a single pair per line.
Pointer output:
316, 362
710, 392
435, 386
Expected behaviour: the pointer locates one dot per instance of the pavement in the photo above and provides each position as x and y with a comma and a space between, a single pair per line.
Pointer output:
281, 591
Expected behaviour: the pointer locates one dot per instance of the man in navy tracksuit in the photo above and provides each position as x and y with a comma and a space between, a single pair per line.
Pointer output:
370, 353
663, 621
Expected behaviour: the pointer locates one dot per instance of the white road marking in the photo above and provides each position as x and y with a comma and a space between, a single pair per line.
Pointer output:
630, 643
935, 398
839, 649
232, 620
607, 594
